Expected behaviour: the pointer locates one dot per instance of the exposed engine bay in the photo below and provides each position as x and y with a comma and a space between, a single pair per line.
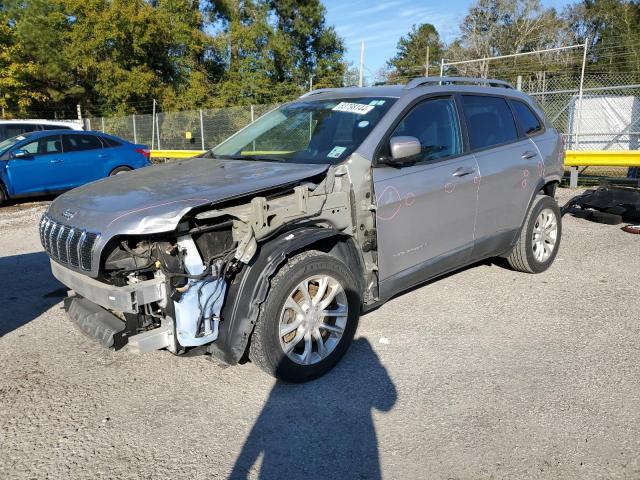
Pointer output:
196, 263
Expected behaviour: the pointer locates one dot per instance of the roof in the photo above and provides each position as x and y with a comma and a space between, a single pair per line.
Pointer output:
71, 123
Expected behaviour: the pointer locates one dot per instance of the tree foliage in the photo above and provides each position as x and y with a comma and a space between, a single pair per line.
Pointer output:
116, 56
412, 49
502, 27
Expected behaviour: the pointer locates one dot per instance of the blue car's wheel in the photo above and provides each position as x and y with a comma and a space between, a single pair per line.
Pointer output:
119, 170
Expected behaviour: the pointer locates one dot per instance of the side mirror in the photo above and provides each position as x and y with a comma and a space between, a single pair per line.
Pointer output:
404, 147
18, 154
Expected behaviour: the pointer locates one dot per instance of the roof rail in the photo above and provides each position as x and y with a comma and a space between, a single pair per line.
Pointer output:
488, 82
315, 92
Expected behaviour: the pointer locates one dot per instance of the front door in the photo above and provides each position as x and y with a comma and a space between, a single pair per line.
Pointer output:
426, 211
41, 171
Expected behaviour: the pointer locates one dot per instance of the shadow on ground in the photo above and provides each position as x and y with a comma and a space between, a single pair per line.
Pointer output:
27, 289
322, 429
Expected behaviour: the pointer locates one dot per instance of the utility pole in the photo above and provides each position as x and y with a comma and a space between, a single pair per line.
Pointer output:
79, 114
361, 77
426, 63
310, 83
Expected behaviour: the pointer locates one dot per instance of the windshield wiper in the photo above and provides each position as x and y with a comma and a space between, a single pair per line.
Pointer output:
265, 158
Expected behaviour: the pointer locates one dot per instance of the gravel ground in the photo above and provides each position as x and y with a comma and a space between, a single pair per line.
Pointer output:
486, 373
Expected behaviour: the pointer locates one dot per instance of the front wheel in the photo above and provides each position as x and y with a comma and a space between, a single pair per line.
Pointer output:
539, 239
308, 319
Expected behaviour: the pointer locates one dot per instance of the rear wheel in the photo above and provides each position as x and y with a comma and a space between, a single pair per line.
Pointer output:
3, 197
119, 170
308, 319
539, 239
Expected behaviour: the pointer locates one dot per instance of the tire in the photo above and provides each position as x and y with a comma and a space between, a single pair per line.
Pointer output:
267, 346
606, 218
533, 257
118, 170
3, 196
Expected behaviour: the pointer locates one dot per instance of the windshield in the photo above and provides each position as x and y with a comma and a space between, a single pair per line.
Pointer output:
325, 131
10, 142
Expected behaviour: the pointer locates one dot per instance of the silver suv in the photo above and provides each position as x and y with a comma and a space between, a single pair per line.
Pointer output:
271, 245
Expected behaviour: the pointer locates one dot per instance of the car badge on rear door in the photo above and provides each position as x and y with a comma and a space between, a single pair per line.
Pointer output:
68, 214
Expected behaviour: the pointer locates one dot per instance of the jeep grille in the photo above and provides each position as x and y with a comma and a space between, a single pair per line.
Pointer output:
66, 244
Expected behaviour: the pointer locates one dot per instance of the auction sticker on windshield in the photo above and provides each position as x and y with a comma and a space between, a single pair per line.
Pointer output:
356, 108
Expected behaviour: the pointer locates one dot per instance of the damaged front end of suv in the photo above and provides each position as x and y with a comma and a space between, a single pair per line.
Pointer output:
168, 289
182, 256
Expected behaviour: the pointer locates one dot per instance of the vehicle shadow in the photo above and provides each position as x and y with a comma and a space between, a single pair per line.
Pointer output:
322, 429
27, 289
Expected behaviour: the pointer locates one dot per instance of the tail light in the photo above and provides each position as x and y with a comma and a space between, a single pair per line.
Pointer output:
144, 152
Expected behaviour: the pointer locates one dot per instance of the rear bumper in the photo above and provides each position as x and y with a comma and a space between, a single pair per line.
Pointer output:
121, 299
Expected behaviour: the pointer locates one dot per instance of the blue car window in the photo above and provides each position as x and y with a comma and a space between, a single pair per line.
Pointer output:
44, 146
78, 143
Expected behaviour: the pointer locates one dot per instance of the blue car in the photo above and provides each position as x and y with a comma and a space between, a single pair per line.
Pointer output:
46, 162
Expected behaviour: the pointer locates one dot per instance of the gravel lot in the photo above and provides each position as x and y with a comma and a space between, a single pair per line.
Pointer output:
486, 373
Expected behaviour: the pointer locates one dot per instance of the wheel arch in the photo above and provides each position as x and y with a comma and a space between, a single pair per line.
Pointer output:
249, 288
120, 166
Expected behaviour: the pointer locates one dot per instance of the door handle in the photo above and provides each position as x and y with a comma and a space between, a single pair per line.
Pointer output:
462, 171
528, 154
56, 160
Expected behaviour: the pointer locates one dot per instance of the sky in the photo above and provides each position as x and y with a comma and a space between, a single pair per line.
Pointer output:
381, 23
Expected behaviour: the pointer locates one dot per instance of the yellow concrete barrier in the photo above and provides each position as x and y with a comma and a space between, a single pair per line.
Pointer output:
602, 158
175, 153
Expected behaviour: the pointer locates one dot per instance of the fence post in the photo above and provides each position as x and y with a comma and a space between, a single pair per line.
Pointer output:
252, 114
153, 125
103, 125
573, 177
201, 130
158, 130
519, 83
584, 62
135, 133
441, 67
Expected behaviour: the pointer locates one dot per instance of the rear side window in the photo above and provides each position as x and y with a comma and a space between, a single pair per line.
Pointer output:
528, 120
77, 143
489, 121
110, 142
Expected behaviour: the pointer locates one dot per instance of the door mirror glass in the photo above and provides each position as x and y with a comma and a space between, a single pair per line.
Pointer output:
404, 147
17, 154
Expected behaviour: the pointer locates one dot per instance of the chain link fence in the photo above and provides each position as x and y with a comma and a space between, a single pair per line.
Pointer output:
606, 117
186, 130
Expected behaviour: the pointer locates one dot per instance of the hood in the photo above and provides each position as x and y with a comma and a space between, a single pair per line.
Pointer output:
154, 199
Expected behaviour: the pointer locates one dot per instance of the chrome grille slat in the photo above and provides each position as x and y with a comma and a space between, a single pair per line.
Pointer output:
67, 244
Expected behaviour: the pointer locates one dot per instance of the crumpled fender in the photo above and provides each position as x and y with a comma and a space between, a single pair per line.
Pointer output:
249, 289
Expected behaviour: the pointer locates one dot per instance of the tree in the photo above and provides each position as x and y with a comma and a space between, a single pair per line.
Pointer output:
16, 75
613, 29
410, 60
503, 27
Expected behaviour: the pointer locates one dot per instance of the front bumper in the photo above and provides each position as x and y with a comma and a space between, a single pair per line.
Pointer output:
125, 299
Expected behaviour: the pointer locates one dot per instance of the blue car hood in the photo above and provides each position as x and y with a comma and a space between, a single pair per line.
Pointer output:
154, 199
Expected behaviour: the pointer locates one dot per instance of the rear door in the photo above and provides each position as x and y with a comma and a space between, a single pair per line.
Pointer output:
426, 211
41, 170
83, 158
508, 167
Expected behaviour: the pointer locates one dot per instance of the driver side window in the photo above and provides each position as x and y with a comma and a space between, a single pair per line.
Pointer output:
43, 146
434, 123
